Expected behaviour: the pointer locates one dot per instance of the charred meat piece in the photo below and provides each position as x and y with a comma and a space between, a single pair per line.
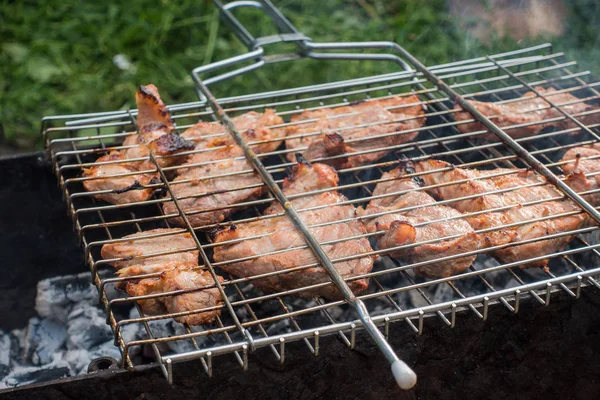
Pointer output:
203, 294
365, 126
179, 271
282, 239
509, 189
205, 195
426, 223
253, 126
582, 167
531, 110
203, 190
156, 134
136, 251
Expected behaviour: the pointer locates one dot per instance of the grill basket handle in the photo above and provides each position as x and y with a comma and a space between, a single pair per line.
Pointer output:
288, 32
306, 48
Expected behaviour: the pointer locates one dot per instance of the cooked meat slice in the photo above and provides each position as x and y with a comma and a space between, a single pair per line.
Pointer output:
582, 161
133, 252
206, 192
253, 126
205, 195
529, 110
124, 189
431, 222
519, 189
181, 277
283, 239
341, 131
179, 271
304, 179
156, 133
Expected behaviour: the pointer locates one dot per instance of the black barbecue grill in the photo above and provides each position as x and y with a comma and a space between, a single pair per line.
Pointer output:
251, 319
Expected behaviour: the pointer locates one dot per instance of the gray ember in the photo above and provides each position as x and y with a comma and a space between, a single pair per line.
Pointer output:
43, 338
69, 333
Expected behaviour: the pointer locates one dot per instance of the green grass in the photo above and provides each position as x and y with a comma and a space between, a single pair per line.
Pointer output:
56, 57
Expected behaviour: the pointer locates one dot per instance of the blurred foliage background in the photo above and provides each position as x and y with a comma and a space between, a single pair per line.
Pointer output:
64, 57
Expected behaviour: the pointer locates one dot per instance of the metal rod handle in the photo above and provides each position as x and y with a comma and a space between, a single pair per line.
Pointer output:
404, 376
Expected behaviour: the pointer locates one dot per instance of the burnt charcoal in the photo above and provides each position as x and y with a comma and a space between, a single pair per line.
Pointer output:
107, 349
170, 328
26, 375
77, 359
43, 338
87, 327
56, 296
6, 349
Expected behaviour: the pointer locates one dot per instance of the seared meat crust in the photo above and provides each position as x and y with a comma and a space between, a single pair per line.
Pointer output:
179, 271
281, 237
156, 134
324, 132
519, 189
529, 110
418, 225
206, 192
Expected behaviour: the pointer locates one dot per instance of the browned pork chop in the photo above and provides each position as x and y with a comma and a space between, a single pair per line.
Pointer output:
134, 254
179, 271
156, 134
204, 192
180, 277
361, 127
530, 110
254, 128
429, 222
509, 190
282, 239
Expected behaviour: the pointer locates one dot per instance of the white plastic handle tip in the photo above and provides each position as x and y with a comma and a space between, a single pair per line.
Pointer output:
405, 376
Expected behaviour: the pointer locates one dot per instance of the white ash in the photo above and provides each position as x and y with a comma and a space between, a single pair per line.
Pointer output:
56, 296
43, 338
69, 333
87, 327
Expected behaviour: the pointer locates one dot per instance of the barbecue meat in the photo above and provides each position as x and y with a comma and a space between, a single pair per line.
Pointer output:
156, 134
519, 189
179, 271
180, 278
403, 227
133, 252
204, 193
329, 132
253, 126
582, 161
529, 110
282, 238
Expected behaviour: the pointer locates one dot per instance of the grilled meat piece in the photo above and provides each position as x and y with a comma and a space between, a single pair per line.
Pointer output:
180, 278
339, 131
529, 110
281, 237
179, 271
207, 193
134, 254
253, 126
156, 134
582, 161
518, 188
431, 222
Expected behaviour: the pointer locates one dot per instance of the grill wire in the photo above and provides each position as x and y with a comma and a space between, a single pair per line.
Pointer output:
395, 293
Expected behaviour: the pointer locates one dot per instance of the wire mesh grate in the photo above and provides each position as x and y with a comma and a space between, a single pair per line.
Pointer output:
395, 293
